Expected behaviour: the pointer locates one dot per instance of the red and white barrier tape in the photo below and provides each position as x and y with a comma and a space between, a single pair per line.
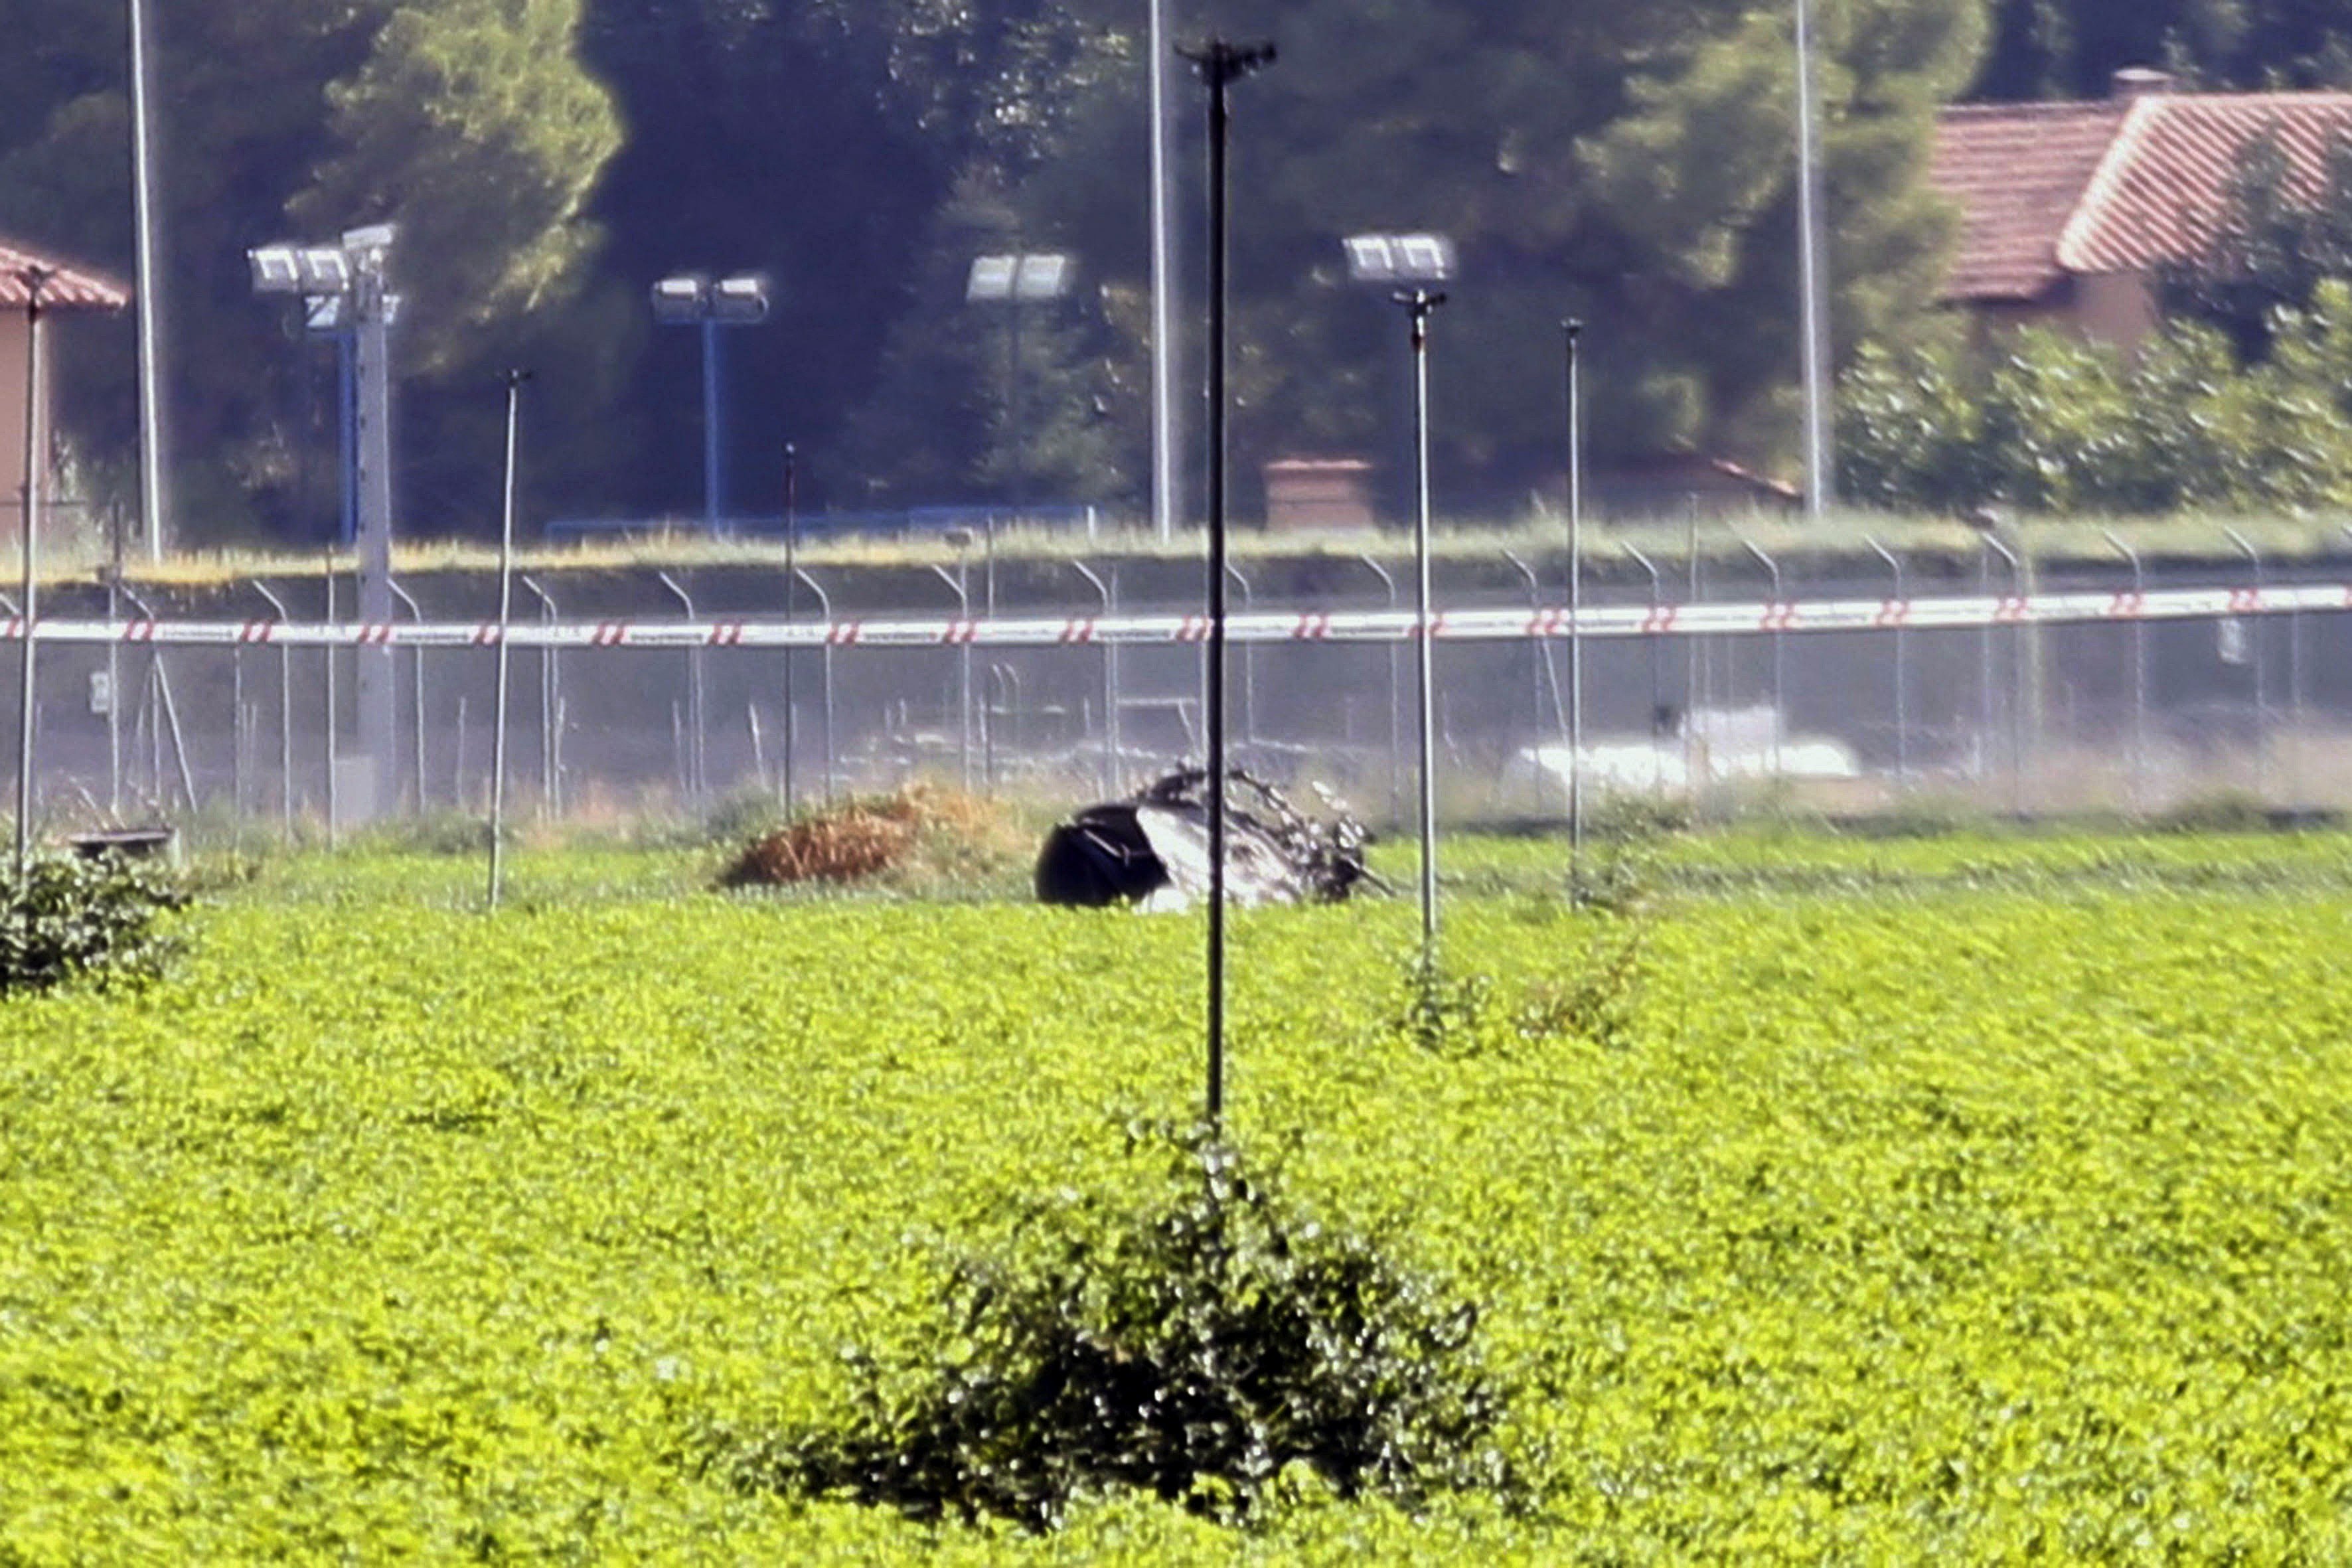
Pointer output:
1261, 627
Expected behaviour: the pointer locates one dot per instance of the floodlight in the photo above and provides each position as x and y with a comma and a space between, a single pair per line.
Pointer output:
739, 299
992, 278
276, 270
325, 313
1400, 258
1045, 275
684, 297
324, 269
374, 236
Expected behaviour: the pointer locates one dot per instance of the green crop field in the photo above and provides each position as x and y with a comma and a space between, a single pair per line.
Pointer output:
1973, 1200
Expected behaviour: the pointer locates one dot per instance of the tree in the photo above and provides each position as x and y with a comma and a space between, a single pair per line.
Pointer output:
2072, 49
2271, 251
1632, 165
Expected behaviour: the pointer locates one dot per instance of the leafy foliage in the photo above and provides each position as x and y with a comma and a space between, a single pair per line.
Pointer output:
1966, 1199
68, 917
2051, 423
1193, 1350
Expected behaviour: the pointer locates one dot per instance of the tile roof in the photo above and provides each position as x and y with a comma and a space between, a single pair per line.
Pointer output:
2165, 182
2049, 189
69, 287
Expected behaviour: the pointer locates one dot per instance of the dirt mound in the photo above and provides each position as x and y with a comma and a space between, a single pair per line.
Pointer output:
864, 838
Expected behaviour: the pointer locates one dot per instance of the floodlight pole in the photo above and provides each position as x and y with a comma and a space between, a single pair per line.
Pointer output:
1820, 476
35, 280
1219, 63
1573, 330
1163, 291
712, 480
514, 379
1417, 304
791, 586
371, 304
152, 506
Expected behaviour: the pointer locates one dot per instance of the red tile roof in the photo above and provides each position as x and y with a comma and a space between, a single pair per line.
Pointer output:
2017, 172
2045, 190
2165, 182
66, 289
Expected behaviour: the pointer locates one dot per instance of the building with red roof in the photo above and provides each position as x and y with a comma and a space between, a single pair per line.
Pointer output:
64, 289
2070, 212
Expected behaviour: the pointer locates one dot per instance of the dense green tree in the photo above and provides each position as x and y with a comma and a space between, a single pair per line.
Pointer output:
2270, 250
1632, 165
2072, 49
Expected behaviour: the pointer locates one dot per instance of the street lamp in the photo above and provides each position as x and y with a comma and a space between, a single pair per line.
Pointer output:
692, 300
1387, 262
346, 291
1014, 279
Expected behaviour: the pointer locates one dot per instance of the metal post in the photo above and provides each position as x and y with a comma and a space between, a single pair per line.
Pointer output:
955, 585
1396, 694
114, 668
711, 479
154, 508
1572, 331
1249, 665
2016, 705
1538, 666
2139, 667
1901, 672
1163, 289
825, 671
1780, 695
334, 811
514, 379
1820, 478
2261, 681
285, 713
551, 699
1419, 303
698, 775
791, 588
1110, 770
1220, 64
35, 280
377, 713
417, 691
1656, 641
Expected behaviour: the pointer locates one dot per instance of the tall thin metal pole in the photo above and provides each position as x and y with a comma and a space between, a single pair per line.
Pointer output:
35, 280
114, 668
331, 738
1574, 330
1820, 480
1163, 291
153, 508
1221, 63
791, 603
1419, 303
710, 442
514, 379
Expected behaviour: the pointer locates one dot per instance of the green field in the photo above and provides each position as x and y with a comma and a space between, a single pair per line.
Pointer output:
1974, 1199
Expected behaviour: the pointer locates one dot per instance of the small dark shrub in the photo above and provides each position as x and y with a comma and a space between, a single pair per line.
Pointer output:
68, 917
1589, 1000
1193, 1350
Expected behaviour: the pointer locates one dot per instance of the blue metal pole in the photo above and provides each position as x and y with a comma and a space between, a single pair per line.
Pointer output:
347, 406
713, 501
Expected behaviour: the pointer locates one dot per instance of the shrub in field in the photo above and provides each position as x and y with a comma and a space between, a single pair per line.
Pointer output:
1590, 1000
917, 832
66, 916
1194, 1350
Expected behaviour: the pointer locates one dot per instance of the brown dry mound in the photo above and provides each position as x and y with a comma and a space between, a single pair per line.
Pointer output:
860, 840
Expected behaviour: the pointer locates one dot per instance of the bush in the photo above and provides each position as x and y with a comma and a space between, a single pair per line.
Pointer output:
68, 917
1194, 1350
